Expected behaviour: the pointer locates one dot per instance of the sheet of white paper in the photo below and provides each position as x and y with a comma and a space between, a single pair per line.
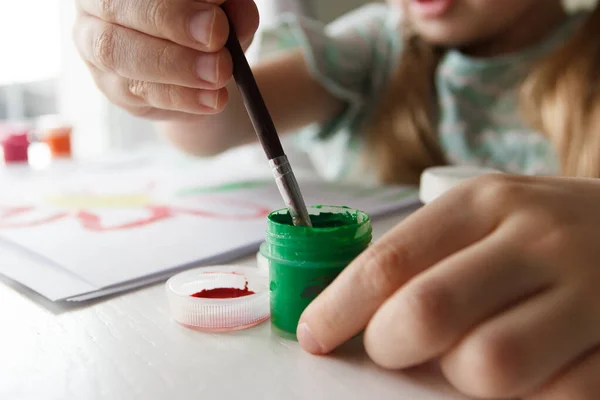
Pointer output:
84, 296
46, 278
111, 229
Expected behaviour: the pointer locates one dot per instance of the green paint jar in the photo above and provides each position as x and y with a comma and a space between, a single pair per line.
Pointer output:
303, 261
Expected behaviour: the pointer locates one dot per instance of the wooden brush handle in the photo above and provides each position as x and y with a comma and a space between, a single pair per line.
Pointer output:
253, 100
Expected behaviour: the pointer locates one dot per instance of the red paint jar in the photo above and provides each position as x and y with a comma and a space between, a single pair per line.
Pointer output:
15, 148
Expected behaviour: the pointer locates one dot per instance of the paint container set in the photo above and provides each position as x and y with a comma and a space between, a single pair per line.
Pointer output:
17, 137
300, 263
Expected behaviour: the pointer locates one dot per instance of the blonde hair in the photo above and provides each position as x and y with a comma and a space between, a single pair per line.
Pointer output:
560, 98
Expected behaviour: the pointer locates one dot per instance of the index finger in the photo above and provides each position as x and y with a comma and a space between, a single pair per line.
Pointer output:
422, 240
201, 25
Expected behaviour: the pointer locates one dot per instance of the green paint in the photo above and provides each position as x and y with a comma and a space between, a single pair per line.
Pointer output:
401, 196
322, 220
228, 187
303, 261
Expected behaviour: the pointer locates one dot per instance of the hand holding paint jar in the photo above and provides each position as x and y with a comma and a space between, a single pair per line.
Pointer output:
496, 279
162, 60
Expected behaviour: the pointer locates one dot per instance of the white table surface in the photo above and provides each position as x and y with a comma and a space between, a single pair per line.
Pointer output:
127, 347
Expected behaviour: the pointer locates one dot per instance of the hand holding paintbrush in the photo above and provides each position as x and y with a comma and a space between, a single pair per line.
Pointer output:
169, 64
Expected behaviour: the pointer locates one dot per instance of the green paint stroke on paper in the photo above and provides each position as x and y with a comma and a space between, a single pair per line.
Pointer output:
354, 190
403, 194
381, 192
227, 187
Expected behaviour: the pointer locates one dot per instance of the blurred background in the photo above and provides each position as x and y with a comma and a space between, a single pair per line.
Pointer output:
41, 73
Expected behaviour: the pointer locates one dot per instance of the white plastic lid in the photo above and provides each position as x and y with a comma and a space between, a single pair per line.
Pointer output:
438, 180
219, 314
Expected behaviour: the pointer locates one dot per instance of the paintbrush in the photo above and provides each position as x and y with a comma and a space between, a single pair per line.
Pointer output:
266, 132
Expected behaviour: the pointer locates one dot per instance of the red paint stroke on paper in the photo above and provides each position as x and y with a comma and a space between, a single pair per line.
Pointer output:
242, 210
7, 222
94, 223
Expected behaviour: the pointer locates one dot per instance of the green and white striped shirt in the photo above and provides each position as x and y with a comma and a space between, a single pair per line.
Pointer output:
479, 123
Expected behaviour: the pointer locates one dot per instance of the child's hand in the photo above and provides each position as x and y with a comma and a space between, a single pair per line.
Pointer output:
499, 279
162, 59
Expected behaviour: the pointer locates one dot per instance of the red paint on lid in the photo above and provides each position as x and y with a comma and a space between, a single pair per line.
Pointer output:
224, 293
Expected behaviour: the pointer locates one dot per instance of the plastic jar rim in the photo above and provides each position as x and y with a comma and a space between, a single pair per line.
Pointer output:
362, 219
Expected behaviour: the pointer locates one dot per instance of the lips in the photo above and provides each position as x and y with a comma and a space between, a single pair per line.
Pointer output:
431, 8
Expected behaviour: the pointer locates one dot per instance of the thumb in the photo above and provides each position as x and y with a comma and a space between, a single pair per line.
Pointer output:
243, 15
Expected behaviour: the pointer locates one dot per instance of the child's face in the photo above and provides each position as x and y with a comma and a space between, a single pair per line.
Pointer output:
459, 23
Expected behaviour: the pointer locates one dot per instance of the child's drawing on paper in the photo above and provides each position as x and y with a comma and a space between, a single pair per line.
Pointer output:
100, 212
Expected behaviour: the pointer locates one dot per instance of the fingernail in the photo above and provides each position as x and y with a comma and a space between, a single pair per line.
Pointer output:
207, 68
209, 98
307, 340
201, 26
